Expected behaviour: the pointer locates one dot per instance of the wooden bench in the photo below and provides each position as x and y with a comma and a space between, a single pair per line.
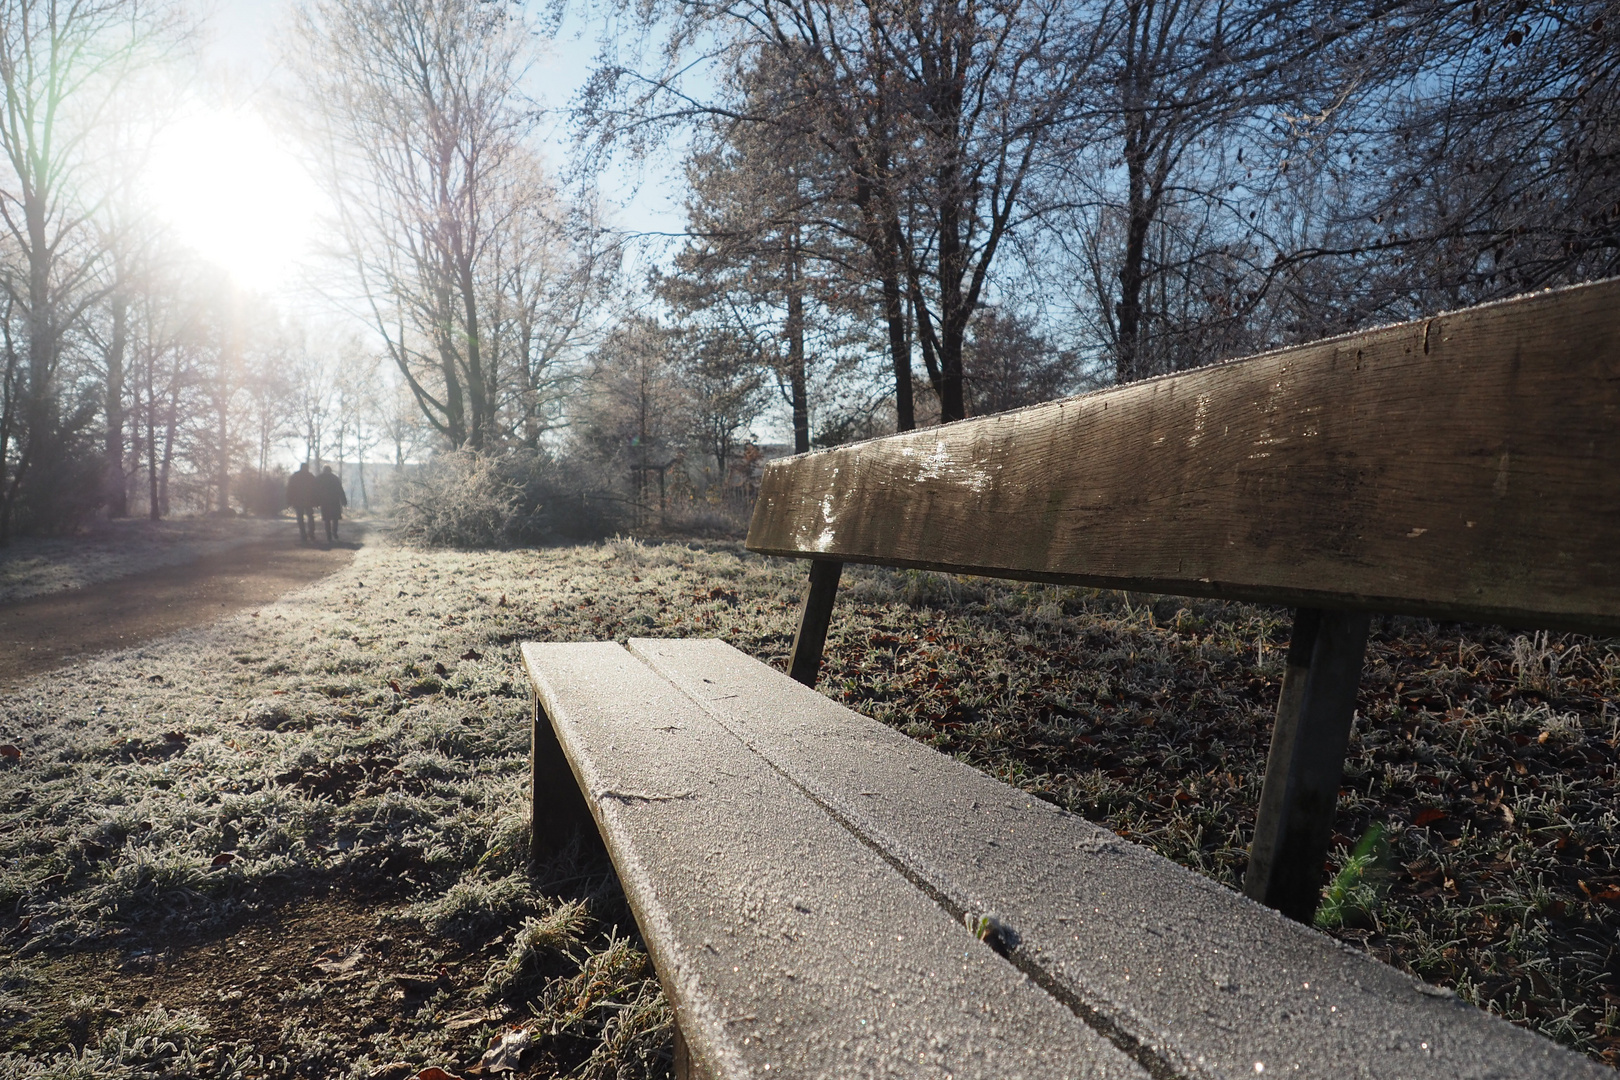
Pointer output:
823, 896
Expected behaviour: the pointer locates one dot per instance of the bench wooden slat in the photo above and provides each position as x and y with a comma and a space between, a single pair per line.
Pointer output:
1465, 466
1212, 980
787, 944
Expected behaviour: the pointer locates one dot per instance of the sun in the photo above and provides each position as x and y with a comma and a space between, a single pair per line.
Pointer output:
234, 193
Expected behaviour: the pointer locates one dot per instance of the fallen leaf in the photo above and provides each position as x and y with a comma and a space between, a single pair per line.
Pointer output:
475, 1017
1429, 816
224, 858
505, 1051
344, 966
1608, 894
416, 985
10, 753
433, 1072
394, 685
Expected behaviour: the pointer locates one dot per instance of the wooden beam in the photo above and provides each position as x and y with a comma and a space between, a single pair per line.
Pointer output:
1465, 466
1294, 823
814, 618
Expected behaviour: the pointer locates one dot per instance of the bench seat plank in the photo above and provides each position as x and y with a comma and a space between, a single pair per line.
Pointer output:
790, 947
1465, 466
1212, 982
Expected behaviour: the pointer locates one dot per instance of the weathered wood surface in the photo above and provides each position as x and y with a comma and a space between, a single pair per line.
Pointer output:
1204, 982
789, 947
1465, 466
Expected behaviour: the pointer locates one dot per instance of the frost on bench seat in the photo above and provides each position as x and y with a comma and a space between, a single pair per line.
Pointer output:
1205, 980
785, 942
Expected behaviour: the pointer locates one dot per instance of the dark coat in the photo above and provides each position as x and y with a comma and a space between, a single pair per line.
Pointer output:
329, 493
301, 490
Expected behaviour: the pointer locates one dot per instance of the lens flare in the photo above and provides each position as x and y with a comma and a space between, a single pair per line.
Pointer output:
233, 192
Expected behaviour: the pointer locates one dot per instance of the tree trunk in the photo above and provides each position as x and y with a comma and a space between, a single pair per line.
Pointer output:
39, 392
894, 313
481, 430
117, 483
172, 425
1132, 272
795, 329
222, 461
154, 503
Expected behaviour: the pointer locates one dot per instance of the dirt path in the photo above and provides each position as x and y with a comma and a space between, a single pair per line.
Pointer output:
47, 632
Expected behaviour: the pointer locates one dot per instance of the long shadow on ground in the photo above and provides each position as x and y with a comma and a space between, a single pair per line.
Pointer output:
47, 632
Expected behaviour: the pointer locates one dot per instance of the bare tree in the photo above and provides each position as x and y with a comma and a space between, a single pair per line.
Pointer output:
553, 270
1008, 364
62, 66
748, 268
933, 117
1488, 155
422, 132
632, 420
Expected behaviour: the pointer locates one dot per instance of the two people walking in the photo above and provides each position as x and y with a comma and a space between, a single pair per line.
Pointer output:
306, 491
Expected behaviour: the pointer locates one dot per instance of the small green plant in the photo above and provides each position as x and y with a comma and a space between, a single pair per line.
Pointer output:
1353, 896
541, 939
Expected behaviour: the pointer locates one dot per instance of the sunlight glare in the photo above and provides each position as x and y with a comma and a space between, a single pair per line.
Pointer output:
235, 194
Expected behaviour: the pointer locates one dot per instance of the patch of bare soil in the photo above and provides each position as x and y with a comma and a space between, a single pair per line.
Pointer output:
51, 631
271, 988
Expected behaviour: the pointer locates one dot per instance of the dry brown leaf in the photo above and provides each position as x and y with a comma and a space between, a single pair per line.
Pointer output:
505, 1051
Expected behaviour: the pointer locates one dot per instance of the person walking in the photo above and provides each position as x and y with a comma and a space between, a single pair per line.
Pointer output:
301, 497
329, 493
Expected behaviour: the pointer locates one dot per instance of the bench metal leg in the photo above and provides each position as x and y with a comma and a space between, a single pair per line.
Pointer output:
1295, 822
686, 1066
559, 811
805, 663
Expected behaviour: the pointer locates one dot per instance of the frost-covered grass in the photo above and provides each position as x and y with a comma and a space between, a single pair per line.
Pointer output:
366, 739
37, 565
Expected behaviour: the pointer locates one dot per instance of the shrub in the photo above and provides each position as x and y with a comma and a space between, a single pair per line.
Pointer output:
260, 494
513, 497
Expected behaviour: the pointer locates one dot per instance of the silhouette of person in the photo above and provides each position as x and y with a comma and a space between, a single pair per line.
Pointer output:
301, 497
329, 493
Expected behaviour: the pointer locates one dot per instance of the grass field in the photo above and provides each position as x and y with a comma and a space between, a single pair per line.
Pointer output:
291, 844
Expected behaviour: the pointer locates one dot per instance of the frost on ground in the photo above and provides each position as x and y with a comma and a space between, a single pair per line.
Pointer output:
35, 565
297, 840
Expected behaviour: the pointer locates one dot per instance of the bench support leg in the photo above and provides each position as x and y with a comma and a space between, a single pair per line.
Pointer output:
1294, 824
686, 1067
805, 662
559, 811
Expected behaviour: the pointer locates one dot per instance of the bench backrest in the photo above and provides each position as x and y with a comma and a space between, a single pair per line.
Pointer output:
1465, 466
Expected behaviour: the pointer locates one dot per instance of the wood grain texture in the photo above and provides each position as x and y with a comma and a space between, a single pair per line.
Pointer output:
1465, 466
